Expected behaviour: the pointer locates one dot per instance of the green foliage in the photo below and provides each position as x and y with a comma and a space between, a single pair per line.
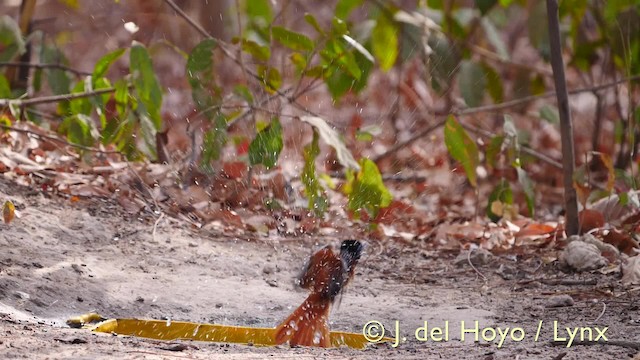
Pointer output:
58, 79
529, 189
462, 148
259, 52
550, 114
78, 129
267, 145
485, 5
204, 90
384, 39
292, 39
147, 89
493, 83
270, 78
500, 199
344, 7
214, 140
493, 150
5, 88
11, 41
472, 82
103, 65
366, 190
333, 139
318, 201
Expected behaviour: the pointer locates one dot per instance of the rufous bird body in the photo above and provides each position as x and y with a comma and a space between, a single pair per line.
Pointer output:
325, 274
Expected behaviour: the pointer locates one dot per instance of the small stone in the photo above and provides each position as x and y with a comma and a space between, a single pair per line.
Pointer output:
560, 301
22, 295
268, 269
478, 257
581, 256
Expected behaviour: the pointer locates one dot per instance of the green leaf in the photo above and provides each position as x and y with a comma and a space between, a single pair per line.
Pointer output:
260, 9
291, 39
494, 83
58, 80
538, 25
5, 88
338, 58
359, 47
333, 139
528, 188
384, 41
318, 202
259, 52
80, 105
485, 5
550, 113
472, 83
244, 93
313, 22
444, 61
499, 197
121, 96
266, 147
344, 7
144, 79
77, 128
11, 41
105, 62
367, 190
462, 148
495, 38
270, 78
493, 150
214, 140
338, 28
299, 61
204, 91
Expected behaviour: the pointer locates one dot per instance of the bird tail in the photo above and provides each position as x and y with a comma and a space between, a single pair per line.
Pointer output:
308, 325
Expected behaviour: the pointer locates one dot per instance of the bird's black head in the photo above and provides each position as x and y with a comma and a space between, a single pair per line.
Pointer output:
350, 252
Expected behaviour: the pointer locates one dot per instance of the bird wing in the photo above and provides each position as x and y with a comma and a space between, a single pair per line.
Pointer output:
323, 273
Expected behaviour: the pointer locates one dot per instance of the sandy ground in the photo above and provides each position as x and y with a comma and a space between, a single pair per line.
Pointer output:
62, 258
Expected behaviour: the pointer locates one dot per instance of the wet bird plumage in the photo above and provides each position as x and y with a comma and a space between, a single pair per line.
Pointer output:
325, 275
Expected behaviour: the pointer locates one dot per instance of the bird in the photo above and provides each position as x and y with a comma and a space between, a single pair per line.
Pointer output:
325, 275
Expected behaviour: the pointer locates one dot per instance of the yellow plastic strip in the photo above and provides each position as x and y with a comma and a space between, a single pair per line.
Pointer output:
181, 330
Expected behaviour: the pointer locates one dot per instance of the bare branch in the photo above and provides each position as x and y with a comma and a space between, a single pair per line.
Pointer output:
44, 66
54, 98
58, 140
566, 127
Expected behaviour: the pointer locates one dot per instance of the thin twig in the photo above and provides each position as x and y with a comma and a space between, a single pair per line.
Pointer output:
402, 145
58, 140
525, 149
497, 58
54, 98
226, 52
528, 99
498, 107
473, 267
44, 66
186, 17
604, 308
155, 226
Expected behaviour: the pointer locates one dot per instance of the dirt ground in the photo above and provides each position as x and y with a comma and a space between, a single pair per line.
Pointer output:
62, 258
